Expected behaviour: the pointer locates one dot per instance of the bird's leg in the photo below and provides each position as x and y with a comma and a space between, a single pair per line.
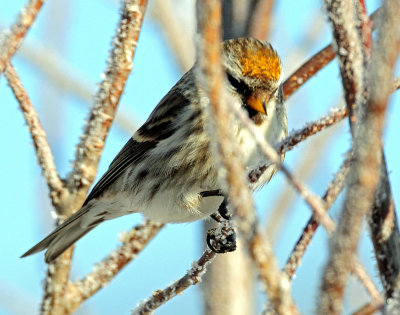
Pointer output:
223, 238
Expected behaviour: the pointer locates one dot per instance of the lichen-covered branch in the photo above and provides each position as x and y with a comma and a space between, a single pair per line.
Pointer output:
42, 147
13, 38
133, 242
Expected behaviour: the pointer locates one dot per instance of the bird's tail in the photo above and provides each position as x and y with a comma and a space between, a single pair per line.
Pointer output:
63, 236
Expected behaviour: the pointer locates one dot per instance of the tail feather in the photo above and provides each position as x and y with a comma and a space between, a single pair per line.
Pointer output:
62, 237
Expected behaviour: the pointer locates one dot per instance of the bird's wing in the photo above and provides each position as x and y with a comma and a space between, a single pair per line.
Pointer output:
159, 126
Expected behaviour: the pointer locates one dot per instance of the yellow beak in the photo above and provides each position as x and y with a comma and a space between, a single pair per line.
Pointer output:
257, 103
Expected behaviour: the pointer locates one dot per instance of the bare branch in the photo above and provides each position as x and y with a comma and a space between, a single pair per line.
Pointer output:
227, 289
13, 38
42, 147
307, 70
177, 36
107, 99
133, 242
192, 277
260, 23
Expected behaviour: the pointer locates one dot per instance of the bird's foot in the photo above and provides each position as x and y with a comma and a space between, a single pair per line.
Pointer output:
222, 240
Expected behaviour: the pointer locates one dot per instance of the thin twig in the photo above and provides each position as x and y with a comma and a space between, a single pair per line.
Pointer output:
192, 277
368, 309
314, 201
336, 115
331, 194
13, 38
308, 163
68, 78
133, 242
43, 152
176, 34
307, 70
313, 65
359, 270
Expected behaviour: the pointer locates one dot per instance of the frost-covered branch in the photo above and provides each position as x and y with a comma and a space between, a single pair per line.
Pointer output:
367, 119
192, 277
212, 78
133, 242
43, 152
385, 234
296, 136
313, 65
68, 78
92, 142
13, 38
107, 99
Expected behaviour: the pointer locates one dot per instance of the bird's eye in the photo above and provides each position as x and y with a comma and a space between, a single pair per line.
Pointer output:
240, 87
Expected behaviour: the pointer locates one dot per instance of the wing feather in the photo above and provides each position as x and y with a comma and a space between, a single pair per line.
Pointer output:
159, 126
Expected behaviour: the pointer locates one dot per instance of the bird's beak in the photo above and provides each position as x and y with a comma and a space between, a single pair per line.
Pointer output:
264, 104
258, 103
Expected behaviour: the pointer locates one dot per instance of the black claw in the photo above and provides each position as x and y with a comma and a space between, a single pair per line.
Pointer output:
223, 210
217, 217
229, 244
212, 193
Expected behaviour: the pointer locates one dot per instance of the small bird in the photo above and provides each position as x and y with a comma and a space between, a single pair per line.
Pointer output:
165, 168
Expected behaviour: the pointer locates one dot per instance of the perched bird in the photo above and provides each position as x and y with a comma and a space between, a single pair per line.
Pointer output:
167, 164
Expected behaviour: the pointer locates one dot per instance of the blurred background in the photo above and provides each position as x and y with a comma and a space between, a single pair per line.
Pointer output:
60, 64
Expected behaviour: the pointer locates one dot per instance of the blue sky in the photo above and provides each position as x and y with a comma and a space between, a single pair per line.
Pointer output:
80, 32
